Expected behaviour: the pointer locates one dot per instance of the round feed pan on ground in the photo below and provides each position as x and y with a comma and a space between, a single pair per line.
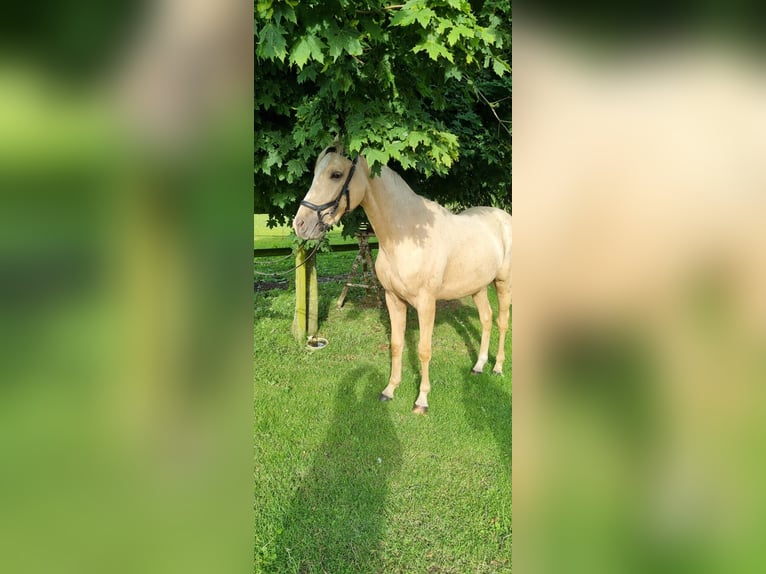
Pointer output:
316, 343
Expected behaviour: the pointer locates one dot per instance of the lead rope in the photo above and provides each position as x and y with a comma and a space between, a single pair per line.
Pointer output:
283, 273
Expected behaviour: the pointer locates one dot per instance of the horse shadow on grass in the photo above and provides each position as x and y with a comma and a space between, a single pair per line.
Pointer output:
458, 315
336, 519
488, 406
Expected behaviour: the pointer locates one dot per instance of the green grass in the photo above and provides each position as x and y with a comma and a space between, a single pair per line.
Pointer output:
346, 484
267, 238
328, 265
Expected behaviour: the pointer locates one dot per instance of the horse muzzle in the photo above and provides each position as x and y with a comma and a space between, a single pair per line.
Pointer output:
308, 226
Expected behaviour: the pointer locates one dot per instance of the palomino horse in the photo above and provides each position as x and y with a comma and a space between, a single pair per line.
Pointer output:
425, 253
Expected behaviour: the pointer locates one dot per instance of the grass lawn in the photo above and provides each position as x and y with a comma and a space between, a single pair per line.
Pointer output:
266, 238
346, 484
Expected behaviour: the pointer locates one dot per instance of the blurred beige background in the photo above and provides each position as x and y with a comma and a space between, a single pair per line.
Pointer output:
640, 307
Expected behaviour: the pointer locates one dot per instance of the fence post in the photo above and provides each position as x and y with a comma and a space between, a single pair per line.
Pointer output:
312, 319
305, 321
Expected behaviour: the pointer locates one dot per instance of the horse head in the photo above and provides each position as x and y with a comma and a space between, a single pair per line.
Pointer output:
338, 187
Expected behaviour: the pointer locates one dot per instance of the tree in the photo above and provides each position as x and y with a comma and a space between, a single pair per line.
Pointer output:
423, 86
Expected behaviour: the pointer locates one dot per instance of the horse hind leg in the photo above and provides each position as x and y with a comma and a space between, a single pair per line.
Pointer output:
485, 316
504, 305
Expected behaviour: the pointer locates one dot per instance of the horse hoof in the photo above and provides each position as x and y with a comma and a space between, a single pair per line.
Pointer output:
418, 410
383, 398
475, 372
497, 373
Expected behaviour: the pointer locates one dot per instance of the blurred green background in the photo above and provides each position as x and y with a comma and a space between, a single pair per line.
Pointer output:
125, 293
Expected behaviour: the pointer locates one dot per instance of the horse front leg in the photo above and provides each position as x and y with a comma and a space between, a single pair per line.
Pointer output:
397, 313
426, 311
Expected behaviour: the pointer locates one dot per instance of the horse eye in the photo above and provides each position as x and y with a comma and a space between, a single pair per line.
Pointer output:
336, 174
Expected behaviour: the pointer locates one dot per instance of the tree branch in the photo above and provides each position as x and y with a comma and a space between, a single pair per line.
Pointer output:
501, 122
377, 10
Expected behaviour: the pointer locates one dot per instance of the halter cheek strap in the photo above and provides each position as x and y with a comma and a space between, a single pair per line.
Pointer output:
335, 203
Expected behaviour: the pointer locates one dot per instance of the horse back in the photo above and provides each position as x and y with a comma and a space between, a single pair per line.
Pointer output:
492, 225
480, 250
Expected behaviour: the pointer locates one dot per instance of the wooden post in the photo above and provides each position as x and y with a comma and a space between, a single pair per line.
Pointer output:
299, 320
368, 269
306, 319
312, 313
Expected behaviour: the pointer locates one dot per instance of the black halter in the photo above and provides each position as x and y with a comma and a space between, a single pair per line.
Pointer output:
335, 203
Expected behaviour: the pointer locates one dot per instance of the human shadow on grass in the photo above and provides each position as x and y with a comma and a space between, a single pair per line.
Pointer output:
336, 519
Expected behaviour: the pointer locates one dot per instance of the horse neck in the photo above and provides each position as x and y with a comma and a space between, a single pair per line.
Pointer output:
390, 205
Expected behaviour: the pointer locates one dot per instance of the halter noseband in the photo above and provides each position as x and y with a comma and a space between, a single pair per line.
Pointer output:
335, 203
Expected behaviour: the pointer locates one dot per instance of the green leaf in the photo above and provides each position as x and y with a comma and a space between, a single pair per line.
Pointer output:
263, 6
309, 73
296, 168
272, 159
375, 155
448, 137
434, 49
458, 31
499, 67
406, 161
271, 42
453, 72
299, 136
424, 16
341, 41
356, 142
307, 48
281, 198
283, 11
404, 17
487, 35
